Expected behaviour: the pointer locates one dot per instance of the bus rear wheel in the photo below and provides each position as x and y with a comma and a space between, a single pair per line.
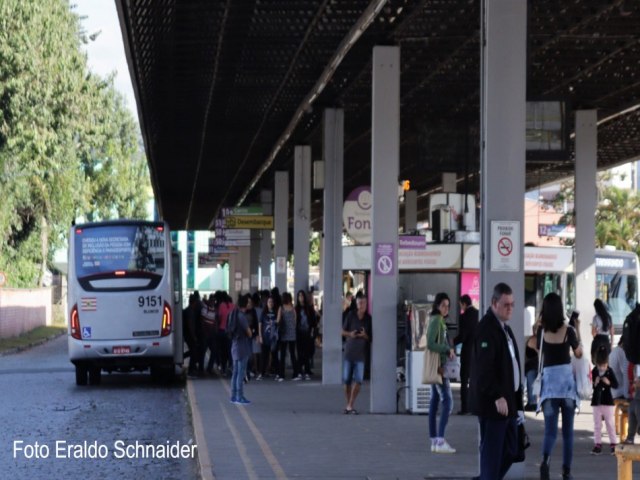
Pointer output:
94, 376
163, 375
81, 375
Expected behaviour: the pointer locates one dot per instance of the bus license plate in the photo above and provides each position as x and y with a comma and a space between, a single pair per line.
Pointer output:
121, 350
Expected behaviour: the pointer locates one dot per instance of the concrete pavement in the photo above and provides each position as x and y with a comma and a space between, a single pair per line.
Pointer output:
298, 430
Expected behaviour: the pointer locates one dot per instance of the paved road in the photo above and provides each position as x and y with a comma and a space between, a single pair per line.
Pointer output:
41, 405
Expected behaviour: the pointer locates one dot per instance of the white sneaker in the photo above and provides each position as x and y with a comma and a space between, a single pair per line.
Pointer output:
298, 378
433, 447
307, 377
444, 447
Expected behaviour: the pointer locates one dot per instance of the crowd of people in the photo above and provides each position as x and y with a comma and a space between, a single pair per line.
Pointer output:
253, 337
492, 387
275, 325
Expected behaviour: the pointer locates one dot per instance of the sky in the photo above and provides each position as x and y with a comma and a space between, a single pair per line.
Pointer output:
106, 52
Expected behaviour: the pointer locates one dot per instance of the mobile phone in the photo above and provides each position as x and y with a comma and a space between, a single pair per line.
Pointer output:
574, 316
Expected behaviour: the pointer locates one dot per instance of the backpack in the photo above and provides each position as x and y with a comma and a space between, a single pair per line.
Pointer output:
232, 323
631, 333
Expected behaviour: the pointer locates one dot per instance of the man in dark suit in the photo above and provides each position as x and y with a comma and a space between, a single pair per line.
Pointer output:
496, 386
466, 328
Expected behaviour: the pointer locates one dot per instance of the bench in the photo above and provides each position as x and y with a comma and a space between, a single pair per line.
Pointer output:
621, 414
626, 455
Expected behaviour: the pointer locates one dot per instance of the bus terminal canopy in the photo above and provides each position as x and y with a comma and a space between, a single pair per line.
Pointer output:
225, 89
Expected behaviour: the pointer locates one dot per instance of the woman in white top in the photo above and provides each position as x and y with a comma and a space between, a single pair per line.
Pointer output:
601, 329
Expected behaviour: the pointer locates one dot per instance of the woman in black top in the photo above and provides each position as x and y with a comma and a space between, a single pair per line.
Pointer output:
558, 392
601, 329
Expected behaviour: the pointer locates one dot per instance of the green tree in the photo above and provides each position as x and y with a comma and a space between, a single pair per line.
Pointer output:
41, 85
314, 249
618, 219
617, 214
112, 158
68, 146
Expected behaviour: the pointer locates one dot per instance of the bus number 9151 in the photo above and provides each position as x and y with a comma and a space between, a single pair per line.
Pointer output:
149, 301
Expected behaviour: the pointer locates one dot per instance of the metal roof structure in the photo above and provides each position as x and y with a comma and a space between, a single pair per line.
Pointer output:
226, 88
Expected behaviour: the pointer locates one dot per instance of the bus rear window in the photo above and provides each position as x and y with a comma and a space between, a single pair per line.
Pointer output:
119, 250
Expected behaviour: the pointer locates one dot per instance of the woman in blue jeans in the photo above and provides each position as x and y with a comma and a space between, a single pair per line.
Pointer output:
437, 342
558, 395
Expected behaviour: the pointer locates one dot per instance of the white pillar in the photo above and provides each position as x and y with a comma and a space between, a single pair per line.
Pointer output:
586, 198
503, 155
281, 220
254, 260
385, 160
331, 251
266, 197
301, 216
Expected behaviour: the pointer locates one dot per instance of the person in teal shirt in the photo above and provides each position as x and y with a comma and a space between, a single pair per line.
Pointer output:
438, 342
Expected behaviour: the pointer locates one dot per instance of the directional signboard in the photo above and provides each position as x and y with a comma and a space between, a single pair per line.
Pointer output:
250, 210
259, 222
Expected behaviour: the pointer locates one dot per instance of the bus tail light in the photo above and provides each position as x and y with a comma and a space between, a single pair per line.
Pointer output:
74, 321
167, 320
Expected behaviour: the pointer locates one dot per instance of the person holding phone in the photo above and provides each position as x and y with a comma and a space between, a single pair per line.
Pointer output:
356, 328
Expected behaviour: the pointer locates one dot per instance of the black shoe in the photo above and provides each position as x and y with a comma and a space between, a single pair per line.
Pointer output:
462, 412
530, 407
566, 473
544, 469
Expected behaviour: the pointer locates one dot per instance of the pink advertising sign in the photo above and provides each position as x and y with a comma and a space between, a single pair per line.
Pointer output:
470, 285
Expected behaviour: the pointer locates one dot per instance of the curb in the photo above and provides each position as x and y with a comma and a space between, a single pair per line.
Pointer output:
15, 350
205, 465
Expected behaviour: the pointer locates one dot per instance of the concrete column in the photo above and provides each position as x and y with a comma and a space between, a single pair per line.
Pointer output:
239, 280
385, 160
266, 197
301, 216
239, 272
281, 220
331, 248
410, 210
254, 261
233, 265
503, 154
586, 198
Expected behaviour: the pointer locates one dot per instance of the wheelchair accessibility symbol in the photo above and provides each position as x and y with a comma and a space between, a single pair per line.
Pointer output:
86, 332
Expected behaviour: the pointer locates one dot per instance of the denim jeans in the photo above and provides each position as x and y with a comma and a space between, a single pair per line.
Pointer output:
531, 376
352, 372
551, 408
440, 394
237, 379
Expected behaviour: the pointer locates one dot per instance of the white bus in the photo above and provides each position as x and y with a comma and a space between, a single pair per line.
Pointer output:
124, 300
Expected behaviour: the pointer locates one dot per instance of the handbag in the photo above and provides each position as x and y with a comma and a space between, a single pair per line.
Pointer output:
451, 368
523, 444
431, 367
537, 383
582, 373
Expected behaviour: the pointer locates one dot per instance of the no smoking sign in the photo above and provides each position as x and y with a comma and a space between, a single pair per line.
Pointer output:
505, 246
